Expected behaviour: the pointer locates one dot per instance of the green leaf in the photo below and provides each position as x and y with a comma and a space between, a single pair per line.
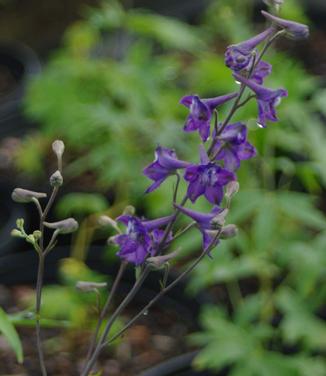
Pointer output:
9, 331
300, 207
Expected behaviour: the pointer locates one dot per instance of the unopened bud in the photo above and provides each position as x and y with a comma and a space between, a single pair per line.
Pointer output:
58, 148
20, 223
112, 240
229, 231
24, 195
129, 210
86, 286
158, 261
16, 233
30, 239
37, 234
104, 220
232, 188
218, 221
56, 179
65, 226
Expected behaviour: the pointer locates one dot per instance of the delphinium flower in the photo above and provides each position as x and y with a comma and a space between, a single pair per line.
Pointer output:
260, 72
141, 238
267, 99
208, 223
239, 56
201, 111
165, 164
232, 146
207, 179
293, 29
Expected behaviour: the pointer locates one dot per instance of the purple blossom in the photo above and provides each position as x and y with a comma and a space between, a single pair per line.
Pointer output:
208, 223
165, 164
261, 71
238, 56
201, 111
267, 99
207, 179
232, 146
141, 238
293, 29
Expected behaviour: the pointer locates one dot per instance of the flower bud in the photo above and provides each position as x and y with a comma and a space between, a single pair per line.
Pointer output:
158, 261
218, 221
232, 188
16, 233
37, 235
20, 223
86, 286
65, 226
58, 148
56, 179
229, 231
105, 220
24, 195
129, 210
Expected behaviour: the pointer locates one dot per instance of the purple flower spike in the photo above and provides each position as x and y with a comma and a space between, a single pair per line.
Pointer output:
141, 238
267, 99
205, 222
201, 112
238, 56
166, 163
293, 29
233, 147
207, 179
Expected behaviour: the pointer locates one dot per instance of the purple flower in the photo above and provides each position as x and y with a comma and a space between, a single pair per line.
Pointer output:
238, 56
207, 179
232, 146
201, 112
293, 29
261, 71
166, 163
141, 238
208, 223
267, 99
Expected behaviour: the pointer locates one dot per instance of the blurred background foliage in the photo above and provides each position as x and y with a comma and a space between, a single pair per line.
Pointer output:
111, 93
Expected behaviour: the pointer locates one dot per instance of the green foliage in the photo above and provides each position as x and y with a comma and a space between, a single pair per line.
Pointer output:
8, 330
80, 204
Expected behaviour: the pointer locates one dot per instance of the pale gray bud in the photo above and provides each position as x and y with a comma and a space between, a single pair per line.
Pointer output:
219, 221
24, 195
56, 179
65, 226
129, 210
105, 220
232, 188
86, 286
58, 148
158, 261
229, 231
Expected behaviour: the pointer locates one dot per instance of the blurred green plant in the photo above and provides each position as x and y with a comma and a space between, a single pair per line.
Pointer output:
7, 329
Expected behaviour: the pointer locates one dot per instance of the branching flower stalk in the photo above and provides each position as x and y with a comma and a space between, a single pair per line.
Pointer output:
145, 244
66, 226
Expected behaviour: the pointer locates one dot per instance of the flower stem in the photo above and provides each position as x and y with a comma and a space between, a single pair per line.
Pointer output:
106, 307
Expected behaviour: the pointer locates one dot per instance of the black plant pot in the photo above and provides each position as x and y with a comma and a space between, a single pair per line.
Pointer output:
18, 64
179, 366
9, 212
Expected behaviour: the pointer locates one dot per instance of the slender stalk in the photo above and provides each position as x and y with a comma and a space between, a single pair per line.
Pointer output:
139, 282
106, 307
40, 275
39, 285
190, 268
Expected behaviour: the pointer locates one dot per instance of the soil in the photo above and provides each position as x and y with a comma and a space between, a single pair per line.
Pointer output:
157, 336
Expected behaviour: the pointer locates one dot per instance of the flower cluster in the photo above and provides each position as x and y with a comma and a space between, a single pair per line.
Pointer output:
221, 150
